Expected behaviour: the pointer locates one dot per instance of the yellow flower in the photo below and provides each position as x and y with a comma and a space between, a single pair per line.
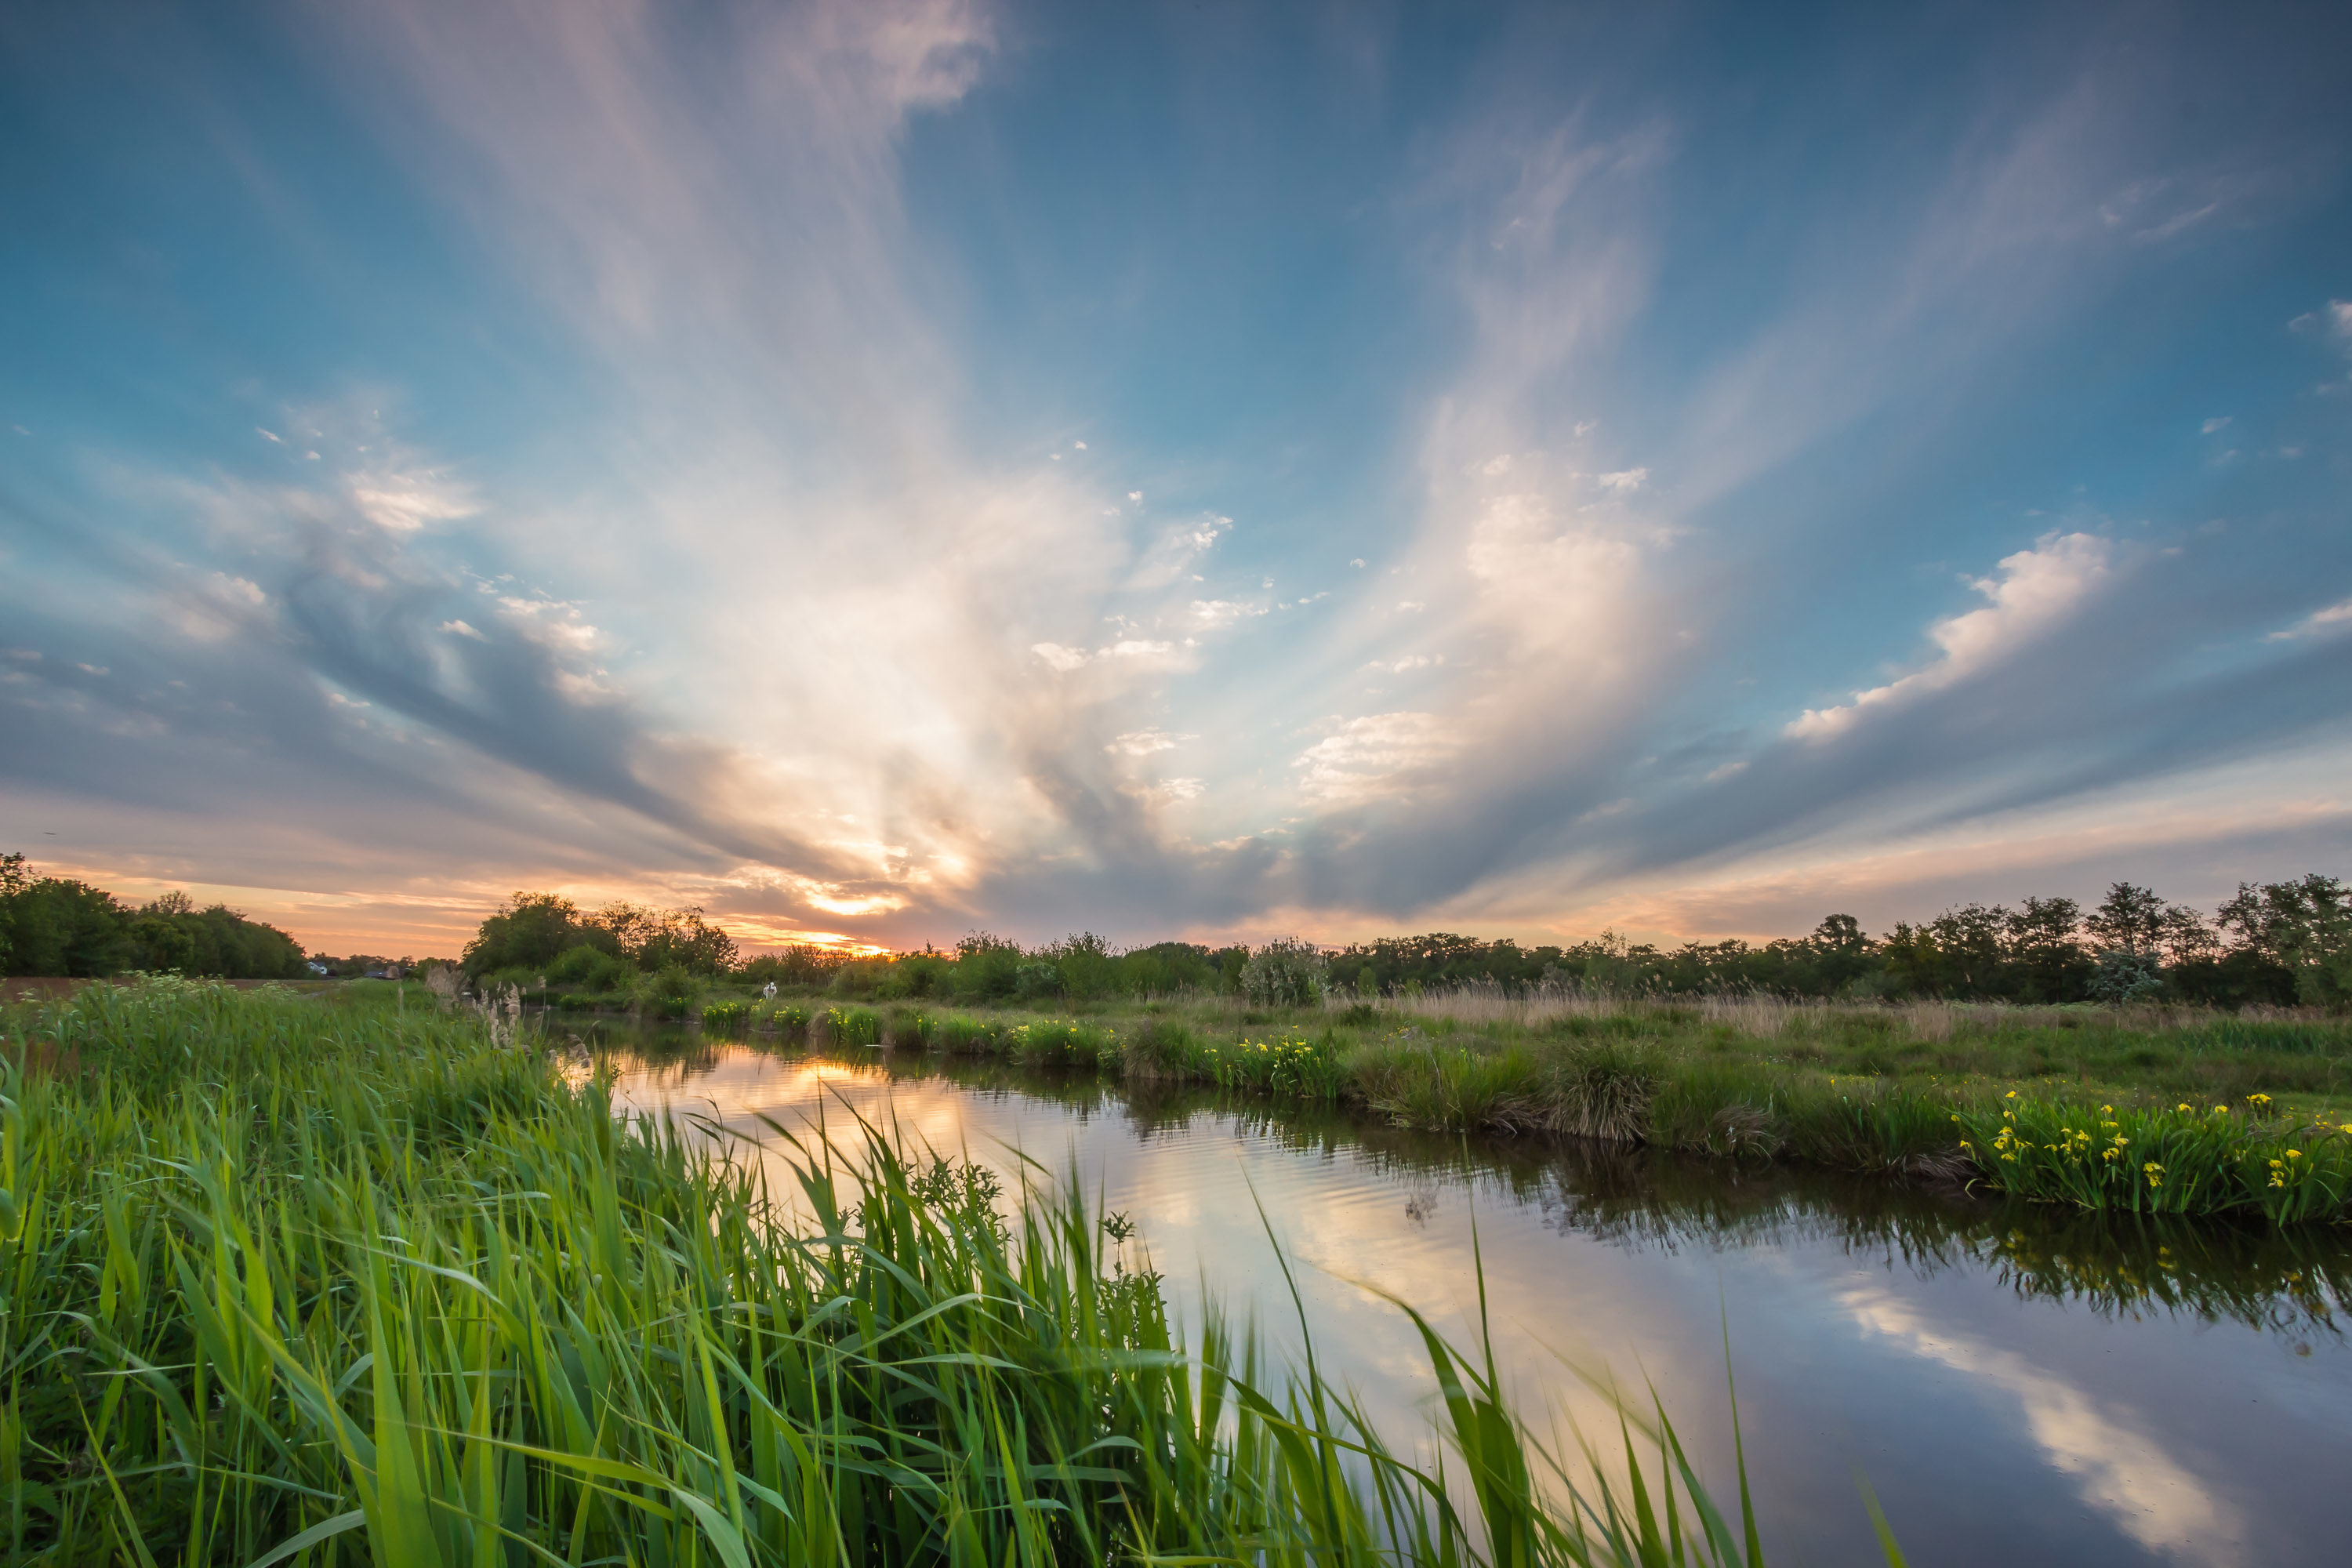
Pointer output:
2184, 1107
2106, 1110
2220, 1110
2295, 1153
2259, 1098
2012, 1094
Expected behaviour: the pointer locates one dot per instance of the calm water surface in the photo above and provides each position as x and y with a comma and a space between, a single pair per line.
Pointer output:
2020, 1385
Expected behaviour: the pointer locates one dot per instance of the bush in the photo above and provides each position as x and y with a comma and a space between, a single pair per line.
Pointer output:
961, 1035
1289, 1064
851, 1026
1159, 1047
1063, 1043
586, 968
2125, 975
1416, 1083
1285, 972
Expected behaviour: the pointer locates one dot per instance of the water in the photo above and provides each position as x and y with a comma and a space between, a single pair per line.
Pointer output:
2018, 1384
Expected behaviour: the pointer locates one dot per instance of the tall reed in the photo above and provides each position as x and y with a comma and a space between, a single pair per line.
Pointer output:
384, 1292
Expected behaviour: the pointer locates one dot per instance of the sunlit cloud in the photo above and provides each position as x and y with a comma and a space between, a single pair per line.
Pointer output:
2036, 589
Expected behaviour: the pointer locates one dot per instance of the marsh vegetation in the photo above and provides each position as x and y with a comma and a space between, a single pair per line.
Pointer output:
390, 1291
2149, 1109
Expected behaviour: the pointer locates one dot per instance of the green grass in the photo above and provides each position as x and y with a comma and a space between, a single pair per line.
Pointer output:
1882, 1089
384, 1292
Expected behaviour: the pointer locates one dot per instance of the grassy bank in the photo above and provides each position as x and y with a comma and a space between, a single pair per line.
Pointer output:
2162, 1110
290, 1281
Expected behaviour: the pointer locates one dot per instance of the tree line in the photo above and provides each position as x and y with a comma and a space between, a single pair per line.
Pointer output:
2271, 943
60, 926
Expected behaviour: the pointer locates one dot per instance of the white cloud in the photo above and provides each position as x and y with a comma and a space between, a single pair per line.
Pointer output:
1177, 549
2334, 318
1144, 742
2219, 422
1057, 657
2319, 623
2037, 590
552, 623
1410, 661
1180, 789
405, 499
268, 435
1134, 495
1223, 612
241, 588
1358, 562
1372, 757
1625, 481
459, 628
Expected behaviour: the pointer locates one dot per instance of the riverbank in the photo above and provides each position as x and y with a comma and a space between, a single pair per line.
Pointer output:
388, 1291
2151, 1110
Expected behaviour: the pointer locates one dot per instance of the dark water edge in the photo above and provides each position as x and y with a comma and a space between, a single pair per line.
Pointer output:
2017, 1381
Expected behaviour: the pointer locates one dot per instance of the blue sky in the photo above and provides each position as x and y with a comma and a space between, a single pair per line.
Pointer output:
886, 470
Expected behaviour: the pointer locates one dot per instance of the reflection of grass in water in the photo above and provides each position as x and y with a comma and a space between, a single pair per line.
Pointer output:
2291, 1280
390, 1293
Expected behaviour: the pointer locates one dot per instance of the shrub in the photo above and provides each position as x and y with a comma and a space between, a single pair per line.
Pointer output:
669, 990
1603, 1089
1286, 973
961, 1035
1159, 1047
1063, 1043
586, 968
1415, 1082
852, 1026
1286, 1064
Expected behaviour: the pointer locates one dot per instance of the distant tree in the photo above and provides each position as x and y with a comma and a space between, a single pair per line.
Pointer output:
1969, 959
527, 931
2136, 919
684, 938
56, 925
2045, 956
2304, 928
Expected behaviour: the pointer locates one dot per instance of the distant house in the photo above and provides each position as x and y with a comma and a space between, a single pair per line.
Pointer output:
318, 969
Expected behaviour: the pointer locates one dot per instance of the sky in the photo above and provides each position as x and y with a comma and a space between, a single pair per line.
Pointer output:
879, 471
